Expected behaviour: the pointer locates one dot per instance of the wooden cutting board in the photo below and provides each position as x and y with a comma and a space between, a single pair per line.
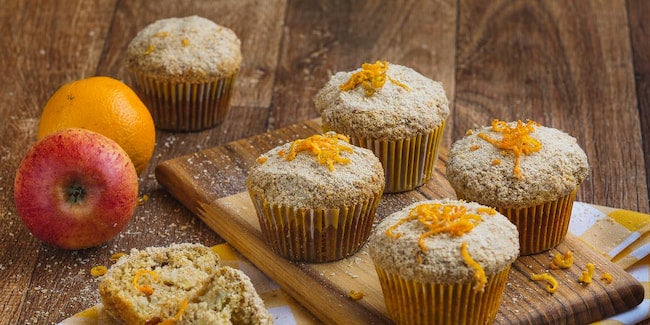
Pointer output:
211, 183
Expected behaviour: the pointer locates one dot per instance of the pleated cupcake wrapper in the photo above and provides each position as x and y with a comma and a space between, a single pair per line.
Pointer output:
407, 163
413, 302
541, 227
315, 235
185, 106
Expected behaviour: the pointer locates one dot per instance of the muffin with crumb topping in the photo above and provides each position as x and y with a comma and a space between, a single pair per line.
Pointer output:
443, 262
392, 110
316, 197
185, 69
530, 173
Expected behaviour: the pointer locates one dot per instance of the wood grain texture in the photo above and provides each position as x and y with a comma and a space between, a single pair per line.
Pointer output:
573, 58
639, 11
323, 288
324, 37
33, 64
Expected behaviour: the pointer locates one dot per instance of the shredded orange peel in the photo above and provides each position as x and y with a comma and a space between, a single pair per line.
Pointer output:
516, 139
178, 315
149, 49
116, 256
147, 290
98, 270
588, 274
562, 261
439, 218
552, 282
607, 278
356, 295
372, 77
143, 199
479, 273
325, 147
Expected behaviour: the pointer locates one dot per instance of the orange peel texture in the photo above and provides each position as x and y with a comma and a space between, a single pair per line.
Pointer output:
516, 139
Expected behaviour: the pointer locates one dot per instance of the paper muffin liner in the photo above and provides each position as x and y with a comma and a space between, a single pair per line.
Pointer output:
413, 302
407, 163
315, 235
177, 106
541, 227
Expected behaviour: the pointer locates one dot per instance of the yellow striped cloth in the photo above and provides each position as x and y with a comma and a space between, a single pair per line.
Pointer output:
624, 237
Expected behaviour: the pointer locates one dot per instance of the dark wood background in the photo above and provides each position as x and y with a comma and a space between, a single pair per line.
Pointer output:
580, 66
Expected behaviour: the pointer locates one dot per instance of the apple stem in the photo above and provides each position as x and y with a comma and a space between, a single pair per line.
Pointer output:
76, 193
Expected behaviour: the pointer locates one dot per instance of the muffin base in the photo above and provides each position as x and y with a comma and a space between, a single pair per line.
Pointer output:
407, 163
541, 227
315, 235
412, 302
185, 106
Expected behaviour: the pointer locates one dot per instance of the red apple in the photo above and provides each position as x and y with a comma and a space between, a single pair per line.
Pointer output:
76, 189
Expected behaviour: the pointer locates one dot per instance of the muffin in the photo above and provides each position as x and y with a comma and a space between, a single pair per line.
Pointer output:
180, 284
530, 173
316, 197
443, 262
184, 69
393, 111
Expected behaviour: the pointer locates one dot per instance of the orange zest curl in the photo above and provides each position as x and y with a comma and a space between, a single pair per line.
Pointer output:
516, 139
147, 290
438, 218
488, 211
186, 42
496, 162
325, 147
356, 295
98, 271
588, 274
149, 49
262, 159
607, 278
143, 199
474, 147
562, 261
116, 256
479, 273
419, 258
552, 282
372, 77
178, 315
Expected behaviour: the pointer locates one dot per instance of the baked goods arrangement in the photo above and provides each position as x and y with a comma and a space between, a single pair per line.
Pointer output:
179, 284
316, 197
516, 182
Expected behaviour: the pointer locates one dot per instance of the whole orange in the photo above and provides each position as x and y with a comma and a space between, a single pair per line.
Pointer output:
106, 106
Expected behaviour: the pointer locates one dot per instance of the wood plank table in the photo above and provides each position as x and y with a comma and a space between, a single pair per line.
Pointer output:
581, 66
